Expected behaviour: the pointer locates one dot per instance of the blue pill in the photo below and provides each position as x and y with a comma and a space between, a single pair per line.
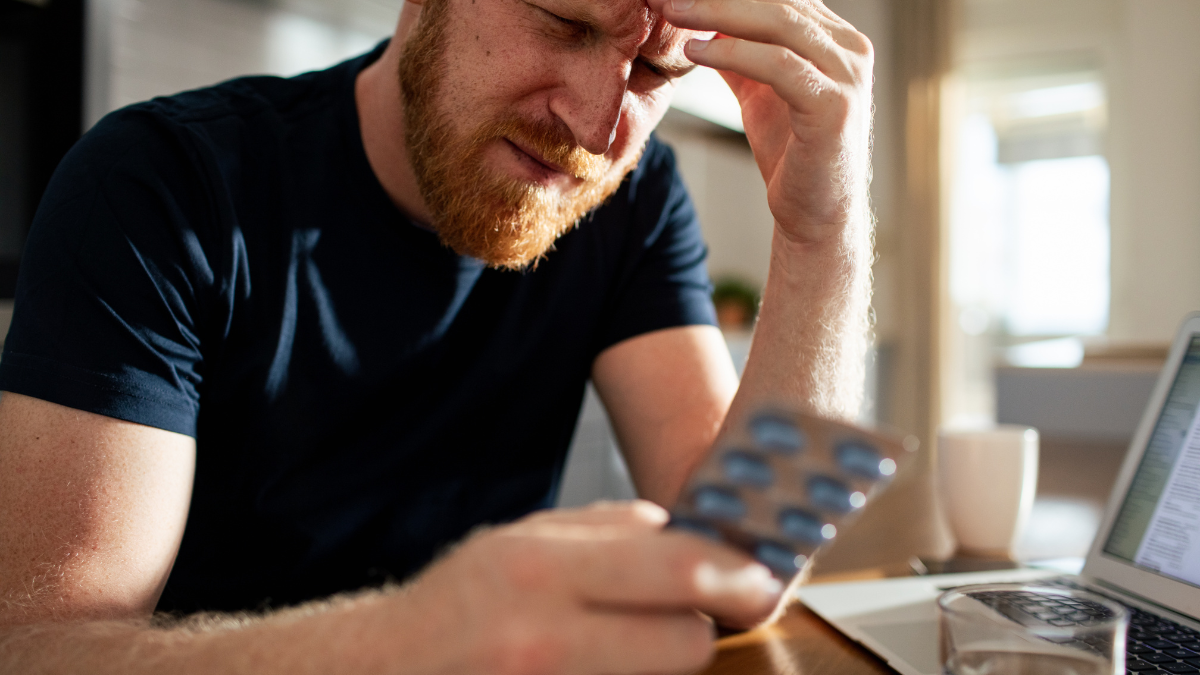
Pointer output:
719, 504
829, 494
800, 525
777, 434
695, 527
860, 459
780, 558
744, 468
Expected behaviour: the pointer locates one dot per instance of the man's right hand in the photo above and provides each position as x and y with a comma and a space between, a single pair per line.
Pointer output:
597, 590
92, 509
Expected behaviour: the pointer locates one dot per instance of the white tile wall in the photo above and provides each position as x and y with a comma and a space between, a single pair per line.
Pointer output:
595, 470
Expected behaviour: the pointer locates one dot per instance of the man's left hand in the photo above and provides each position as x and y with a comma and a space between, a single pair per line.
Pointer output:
803, 78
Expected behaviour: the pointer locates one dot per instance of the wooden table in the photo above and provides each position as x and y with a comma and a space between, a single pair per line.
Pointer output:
800, 644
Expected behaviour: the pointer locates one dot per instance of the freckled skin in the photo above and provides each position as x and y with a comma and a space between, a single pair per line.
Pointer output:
593, 83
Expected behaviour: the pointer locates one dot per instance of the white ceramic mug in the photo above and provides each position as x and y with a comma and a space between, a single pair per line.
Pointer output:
987, 478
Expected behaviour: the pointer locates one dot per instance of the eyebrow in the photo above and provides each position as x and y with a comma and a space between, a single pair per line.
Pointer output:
671, 66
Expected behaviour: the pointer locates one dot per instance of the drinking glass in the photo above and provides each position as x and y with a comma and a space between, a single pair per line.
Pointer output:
1024, 629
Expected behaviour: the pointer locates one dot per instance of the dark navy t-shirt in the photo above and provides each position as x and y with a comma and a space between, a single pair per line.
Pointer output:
224, 264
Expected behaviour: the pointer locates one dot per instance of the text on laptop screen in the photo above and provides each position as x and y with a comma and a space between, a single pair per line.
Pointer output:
1158, 526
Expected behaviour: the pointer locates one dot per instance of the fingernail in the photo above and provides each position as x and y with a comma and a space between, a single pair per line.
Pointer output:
682, 5
644, 509
749, 579
697, 45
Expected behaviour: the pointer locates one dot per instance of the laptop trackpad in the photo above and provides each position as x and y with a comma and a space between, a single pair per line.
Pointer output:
913, 641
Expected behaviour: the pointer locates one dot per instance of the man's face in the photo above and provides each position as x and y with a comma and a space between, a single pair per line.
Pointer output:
523, 115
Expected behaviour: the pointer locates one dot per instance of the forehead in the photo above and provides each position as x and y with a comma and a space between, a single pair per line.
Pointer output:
629, 24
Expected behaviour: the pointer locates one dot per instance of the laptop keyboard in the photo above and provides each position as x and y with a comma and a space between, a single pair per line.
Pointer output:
1154, 645
1042, 609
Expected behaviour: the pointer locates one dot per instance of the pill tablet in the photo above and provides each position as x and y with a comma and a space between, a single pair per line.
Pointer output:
696, 527
744, 468
779, 486
801, 526
829, 494
719, 503
776, 433
779, 557
858, 458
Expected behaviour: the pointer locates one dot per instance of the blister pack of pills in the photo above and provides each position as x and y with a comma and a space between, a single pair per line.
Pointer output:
783, 485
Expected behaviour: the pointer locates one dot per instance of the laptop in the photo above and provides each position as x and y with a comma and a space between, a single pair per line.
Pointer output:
1146, 553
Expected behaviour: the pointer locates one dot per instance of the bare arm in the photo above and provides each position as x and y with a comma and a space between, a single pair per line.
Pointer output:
670, 393
803, 78
667, 393
92, 510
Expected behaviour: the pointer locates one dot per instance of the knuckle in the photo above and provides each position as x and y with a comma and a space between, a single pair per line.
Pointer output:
805, 81
786, 16
784, 60
862, 45
841, 104
528, 570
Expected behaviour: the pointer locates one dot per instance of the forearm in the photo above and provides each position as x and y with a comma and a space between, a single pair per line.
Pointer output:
668, 393
343, 636
810, 342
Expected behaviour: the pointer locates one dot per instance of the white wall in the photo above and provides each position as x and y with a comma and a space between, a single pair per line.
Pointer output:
139, 49
729, 194
1155, 157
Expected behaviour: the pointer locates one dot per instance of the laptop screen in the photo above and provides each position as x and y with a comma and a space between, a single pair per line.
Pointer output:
1158, 526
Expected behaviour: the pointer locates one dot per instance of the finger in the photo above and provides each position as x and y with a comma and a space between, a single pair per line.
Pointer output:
796, 80
825, 15
637, 513
673, 570
677, 9
837, 27
619, 643
801, 29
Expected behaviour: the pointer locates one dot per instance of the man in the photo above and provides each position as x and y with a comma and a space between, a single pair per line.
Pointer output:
194, 417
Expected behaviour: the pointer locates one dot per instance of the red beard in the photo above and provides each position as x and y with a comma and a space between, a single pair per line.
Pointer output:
506, 222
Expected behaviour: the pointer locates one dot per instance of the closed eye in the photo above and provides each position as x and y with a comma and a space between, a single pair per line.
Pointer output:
666, 70
564, 27
654, 70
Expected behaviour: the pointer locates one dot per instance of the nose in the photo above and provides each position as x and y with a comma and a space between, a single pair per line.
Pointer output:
590, 100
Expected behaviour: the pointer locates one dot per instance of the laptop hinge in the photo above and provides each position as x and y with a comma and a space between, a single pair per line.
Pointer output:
1134, 596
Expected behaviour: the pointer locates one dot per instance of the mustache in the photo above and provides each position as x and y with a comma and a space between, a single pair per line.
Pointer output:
554, 144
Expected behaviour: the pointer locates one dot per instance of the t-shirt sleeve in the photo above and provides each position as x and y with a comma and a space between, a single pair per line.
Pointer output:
111, 281
664, 280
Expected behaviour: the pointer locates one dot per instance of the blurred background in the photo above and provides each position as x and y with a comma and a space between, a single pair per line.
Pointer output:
1036, 181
